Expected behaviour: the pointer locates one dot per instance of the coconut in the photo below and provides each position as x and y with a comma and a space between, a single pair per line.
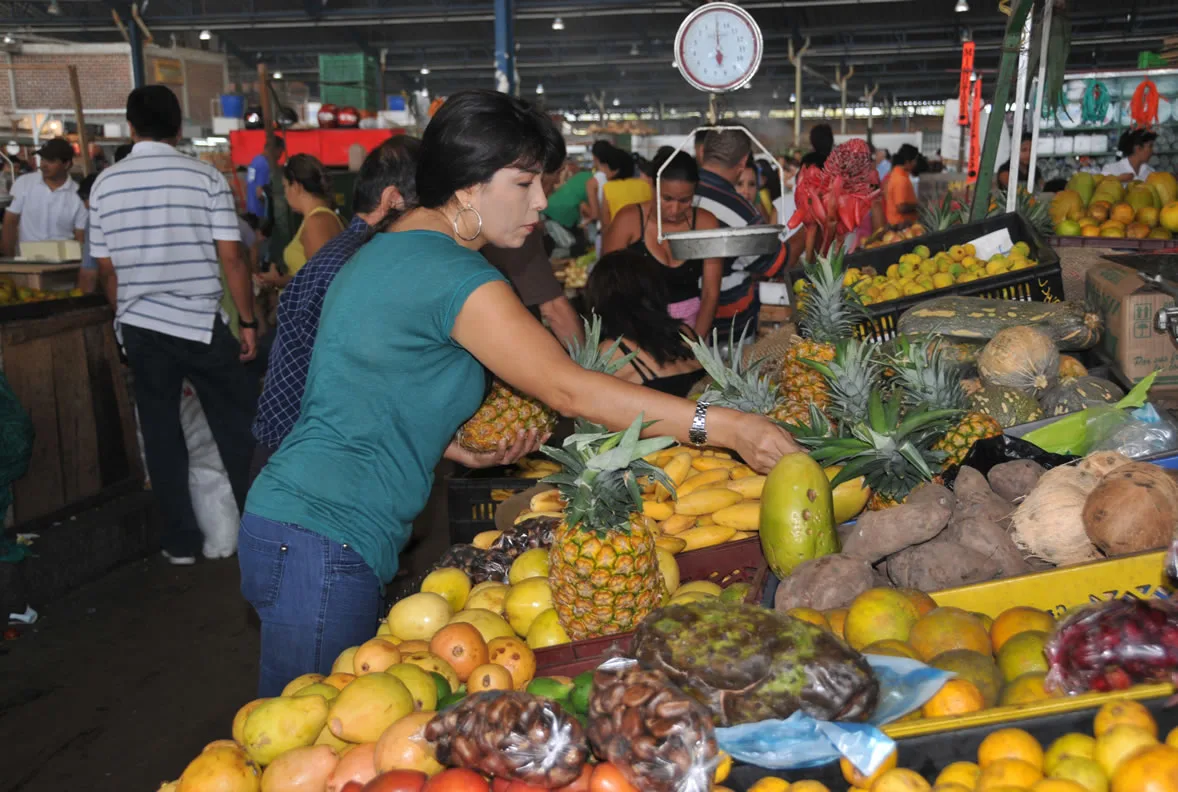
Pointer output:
1134, 508
1102, 463
1049, 523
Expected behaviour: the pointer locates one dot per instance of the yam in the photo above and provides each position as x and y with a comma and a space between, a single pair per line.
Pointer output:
1014, 480
990, 540
879, 534
1134, 508
1049, 523
832, 581
1103, 462
970, 485
940, 564
932, 493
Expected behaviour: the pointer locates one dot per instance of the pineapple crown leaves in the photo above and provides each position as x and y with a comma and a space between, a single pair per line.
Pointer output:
601, 470
852, 376
588, 355
927, 374
813, 433
831, 310
735, 384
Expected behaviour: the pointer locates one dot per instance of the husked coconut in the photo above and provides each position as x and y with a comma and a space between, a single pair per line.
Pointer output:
1049, 523
1103, 462
1134, 508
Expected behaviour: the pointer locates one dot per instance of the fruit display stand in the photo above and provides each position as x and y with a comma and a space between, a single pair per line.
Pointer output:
1041, 283
472, 496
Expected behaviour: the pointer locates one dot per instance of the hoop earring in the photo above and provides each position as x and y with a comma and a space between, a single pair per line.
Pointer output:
479, 230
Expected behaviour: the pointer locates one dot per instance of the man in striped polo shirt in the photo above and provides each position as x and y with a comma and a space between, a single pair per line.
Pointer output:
159, 222
724, 155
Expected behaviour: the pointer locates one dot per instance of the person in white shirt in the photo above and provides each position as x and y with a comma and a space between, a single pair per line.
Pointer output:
45, 205
1137, 147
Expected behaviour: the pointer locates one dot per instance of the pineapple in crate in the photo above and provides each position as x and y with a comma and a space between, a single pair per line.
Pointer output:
737, 384
603, 569
828, 312
506, 411
927, 374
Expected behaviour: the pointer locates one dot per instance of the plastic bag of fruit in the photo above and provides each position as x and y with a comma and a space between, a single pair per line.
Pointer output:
511, 735
1113, 646
527, 534
660, 738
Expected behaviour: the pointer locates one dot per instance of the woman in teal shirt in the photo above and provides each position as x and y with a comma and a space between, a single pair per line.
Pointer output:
407, 328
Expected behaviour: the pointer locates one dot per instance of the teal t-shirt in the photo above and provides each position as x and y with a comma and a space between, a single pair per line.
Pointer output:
387, 389
564, 205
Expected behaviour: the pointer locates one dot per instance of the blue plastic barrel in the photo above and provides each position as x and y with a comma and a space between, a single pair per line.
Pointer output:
396, 102
232, 105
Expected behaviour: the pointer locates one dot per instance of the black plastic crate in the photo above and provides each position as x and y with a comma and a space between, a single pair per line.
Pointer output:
472, 497
1041, 283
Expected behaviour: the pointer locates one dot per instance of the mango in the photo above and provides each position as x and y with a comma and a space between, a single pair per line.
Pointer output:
300, 682
306, 768
283, 724
223, 768
375, 655
368, 706
319, 689
419, 683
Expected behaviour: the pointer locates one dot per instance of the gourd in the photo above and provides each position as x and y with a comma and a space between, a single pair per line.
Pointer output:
1069, 367
1073, 395
1070, 325
1007, 406
1023, 358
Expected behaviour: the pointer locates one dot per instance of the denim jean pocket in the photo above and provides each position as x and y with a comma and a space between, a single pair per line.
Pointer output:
347, 562
262, 562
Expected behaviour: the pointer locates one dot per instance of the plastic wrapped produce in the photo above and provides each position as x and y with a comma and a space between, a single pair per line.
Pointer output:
659, 737
479, 565
511, 735
1113, 646
527, 534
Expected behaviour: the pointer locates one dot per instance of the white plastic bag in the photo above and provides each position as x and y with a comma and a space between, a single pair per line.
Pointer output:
208, 483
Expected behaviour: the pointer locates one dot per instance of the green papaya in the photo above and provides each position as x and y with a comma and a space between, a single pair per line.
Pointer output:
797, 514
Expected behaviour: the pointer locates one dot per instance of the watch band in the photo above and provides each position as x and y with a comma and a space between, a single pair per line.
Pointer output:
698, 434
244, 325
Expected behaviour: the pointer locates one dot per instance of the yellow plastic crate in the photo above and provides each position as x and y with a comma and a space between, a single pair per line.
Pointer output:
1056, 591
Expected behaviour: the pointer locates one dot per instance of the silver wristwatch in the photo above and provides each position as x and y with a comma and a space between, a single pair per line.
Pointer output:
698, 434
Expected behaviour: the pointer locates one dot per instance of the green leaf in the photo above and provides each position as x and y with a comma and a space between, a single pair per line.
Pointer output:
851, 471
875, 412
909, 452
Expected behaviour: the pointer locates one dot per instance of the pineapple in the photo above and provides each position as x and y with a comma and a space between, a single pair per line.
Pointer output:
894, 454
735, 384
944, 215
506, 411
828, 314
927, 375
851, 377
603, 569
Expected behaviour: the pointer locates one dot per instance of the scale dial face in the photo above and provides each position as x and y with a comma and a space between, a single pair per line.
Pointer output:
718, 47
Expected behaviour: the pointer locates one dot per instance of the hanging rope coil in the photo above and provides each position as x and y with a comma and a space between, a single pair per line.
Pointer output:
1144, 106
1094, 103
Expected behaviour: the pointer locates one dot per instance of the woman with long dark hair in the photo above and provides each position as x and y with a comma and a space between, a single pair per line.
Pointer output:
628, 291
398, 366
308, 193
693, 285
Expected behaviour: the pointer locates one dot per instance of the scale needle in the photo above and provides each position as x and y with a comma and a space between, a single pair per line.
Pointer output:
719, 54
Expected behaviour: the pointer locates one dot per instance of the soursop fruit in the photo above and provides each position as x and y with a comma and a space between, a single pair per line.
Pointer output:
704, 647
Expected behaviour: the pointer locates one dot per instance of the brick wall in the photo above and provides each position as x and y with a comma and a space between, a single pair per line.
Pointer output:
103, 76
206, 81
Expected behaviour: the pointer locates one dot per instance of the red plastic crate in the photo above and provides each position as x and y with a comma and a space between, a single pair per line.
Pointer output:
734, 562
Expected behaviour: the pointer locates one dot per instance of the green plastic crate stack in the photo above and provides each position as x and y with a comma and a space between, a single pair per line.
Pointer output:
350, 80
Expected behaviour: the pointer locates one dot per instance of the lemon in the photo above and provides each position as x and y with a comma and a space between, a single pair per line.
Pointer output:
546, 630
525, 601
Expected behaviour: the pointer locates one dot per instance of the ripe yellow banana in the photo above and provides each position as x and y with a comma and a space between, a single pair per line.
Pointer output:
484, 540
707, 501
742, 535
713, 463
656, 510
715, 452
704, 520
677, 523
676, 470
744, 516
672, 544
698, 538
701, 480
750, 487
742, 471
529, 514
549, 500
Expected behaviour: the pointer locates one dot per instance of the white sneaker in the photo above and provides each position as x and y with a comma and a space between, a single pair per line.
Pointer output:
178, 560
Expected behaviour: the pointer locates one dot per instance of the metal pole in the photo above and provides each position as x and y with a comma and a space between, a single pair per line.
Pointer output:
1037, 108
80, 120
796, 59
135, 40
1006, 65
1020, 101
869, 97
505, 46
842, 81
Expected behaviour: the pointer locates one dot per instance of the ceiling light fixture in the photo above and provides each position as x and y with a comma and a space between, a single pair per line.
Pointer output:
8, 39
205, 35
793, 97
634, 51
558, 24
539, 88
617, 102
424, 69
962, 6
277, 75
775, 94
54, 8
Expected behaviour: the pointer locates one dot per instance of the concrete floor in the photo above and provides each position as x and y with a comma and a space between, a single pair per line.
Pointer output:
123, 681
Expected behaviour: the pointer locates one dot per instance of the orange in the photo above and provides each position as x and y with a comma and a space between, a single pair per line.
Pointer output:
956, 697
1069, 746
514, 655
891, 648
771, 784
1057, 785
923, 602
946, 629
1008, 773
1122, 213
898, 779
857, 779
1025, 689
1151, 770
810, 616
1123, 712
878, 614
951, 788
963, 773
837, 619
1086, 772
1090, 231
608, 778
462, 646
1022, 654
489, 677
808, 786
977, 667
1016, 620
1118, 744
1010, 744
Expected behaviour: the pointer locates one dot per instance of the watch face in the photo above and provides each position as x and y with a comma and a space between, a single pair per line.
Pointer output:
718, 47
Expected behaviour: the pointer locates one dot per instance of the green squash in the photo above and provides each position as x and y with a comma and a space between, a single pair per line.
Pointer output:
1073, 395
797, 514
1007, 406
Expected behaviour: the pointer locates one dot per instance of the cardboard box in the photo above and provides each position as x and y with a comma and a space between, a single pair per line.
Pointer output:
1130, 337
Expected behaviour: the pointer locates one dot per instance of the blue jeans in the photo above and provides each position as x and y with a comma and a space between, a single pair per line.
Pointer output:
315, 598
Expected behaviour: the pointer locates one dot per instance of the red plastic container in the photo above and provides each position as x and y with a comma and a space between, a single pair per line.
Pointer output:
735, 562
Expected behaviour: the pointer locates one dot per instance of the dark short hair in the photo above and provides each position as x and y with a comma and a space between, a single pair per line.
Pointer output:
822, 139
730, 148
476, 133
154, 112
309, 173
621, 161
391, 164
681, 167
906, 153
601, 149
1133, 138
